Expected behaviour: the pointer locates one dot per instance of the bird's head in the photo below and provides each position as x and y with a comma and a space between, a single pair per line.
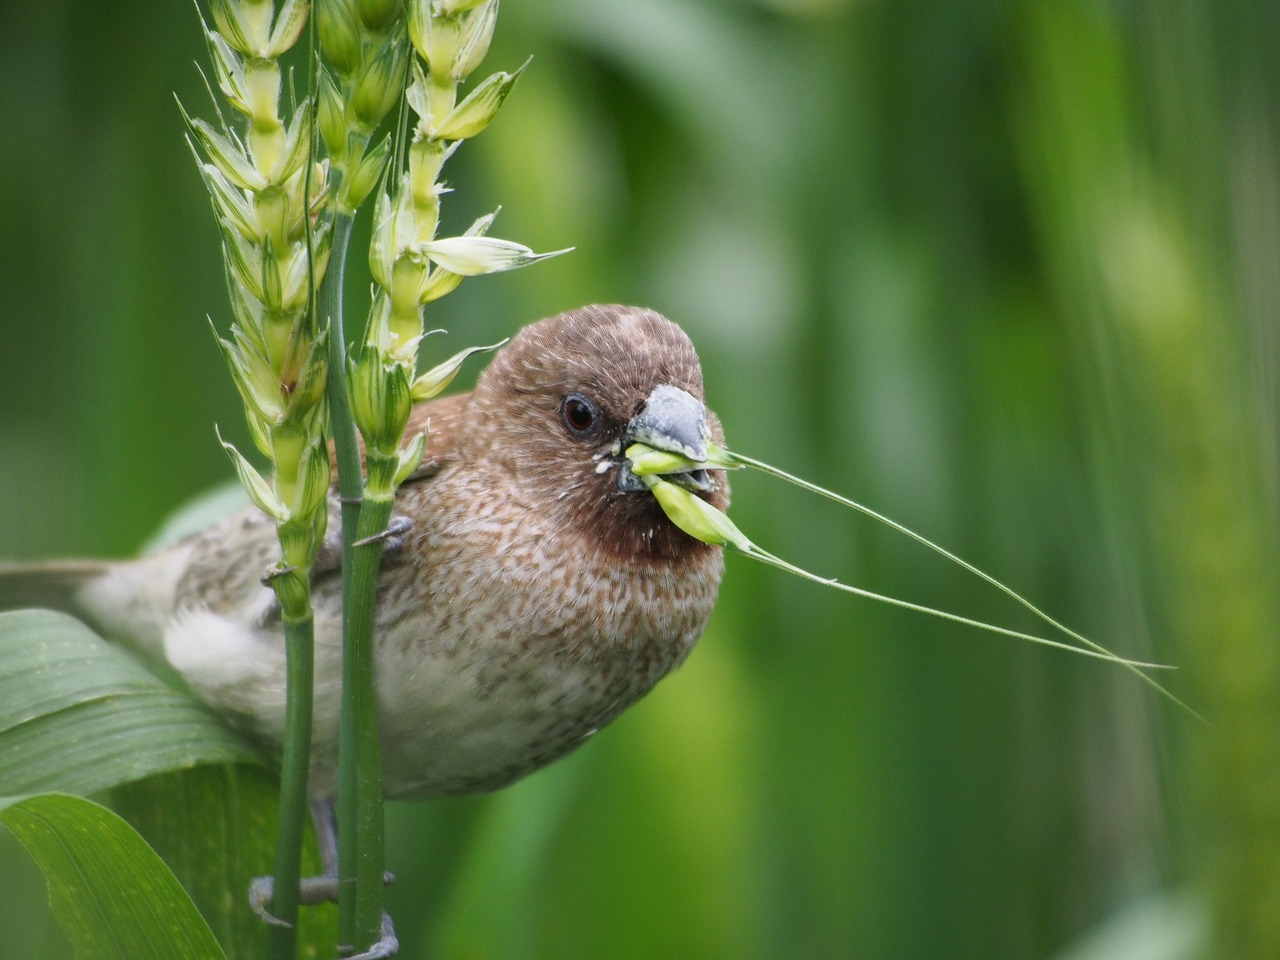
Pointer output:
565, 398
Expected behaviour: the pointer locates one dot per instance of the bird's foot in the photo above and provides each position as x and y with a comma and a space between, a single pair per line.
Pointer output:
392, 538
324, 889
329, 555
262, 891
311, 890
275, 572
388, 946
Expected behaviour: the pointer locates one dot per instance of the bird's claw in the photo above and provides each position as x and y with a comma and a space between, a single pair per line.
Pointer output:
392, 538
261, 892
274, 572
311, 890
385, 948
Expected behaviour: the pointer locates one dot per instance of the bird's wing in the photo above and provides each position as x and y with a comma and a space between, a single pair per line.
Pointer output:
442, 419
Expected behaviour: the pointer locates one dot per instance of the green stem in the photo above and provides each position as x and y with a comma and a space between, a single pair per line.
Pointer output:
360, 824
350, 478
299, 640
350, 489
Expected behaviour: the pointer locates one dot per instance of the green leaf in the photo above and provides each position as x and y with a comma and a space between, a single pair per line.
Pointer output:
113, 896
80, 715
215, 828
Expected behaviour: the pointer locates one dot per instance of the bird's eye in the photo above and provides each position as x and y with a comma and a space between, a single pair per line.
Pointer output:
579, 415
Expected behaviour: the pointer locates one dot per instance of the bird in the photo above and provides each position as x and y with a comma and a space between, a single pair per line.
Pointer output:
536, 592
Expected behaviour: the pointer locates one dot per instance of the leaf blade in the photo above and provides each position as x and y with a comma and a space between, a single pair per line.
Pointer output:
114, 897
81, 715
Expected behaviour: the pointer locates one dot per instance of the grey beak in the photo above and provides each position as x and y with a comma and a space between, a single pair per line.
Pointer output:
673, 421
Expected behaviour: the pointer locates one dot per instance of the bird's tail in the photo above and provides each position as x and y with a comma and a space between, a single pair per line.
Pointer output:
122, 601
55, 585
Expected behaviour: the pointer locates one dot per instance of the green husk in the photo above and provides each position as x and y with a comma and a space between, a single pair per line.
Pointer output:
704, 522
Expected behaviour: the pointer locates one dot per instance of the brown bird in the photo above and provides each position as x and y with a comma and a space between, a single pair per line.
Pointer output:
538, 592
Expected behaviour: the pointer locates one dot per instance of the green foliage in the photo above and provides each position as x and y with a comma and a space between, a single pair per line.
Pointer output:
113, 895
81, 715
1003, 270
216, 828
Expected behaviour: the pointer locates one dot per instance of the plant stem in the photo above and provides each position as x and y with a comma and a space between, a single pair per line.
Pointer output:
299, 639
342, 426
360, 824
360, 845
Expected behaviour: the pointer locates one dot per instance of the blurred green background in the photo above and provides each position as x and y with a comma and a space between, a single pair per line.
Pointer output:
1006, 270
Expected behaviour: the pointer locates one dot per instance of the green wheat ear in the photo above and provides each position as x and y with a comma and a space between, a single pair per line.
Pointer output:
704, 522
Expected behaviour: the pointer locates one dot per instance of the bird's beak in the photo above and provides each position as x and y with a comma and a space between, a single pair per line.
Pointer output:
673, 421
